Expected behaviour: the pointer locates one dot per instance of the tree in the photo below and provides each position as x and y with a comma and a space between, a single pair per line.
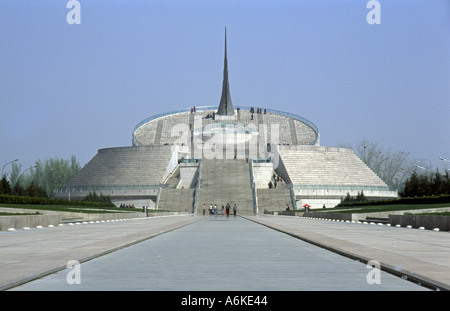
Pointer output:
14, 176
43, 179
18, 190
424, 184
393, 167
411, 186
54, 173
5, 187
437, 185
446, 183
94, 197
360, 197
35, 191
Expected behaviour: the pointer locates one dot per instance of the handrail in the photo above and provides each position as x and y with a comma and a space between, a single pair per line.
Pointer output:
341, 187
254, 192
158, 196
293, 199
136, 142
106, 188
197, 186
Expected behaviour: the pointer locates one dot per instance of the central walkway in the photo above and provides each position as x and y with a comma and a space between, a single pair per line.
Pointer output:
222, 254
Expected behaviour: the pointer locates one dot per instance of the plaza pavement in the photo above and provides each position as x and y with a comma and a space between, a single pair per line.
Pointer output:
209, 253
29, 254
419, 255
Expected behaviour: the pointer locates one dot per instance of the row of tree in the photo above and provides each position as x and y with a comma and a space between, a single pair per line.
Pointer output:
31, 190
418, 185
360, 197
399, 171
41, 179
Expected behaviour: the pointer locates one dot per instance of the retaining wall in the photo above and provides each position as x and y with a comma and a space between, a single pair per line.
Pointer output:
31, 221
335, 216
417, 221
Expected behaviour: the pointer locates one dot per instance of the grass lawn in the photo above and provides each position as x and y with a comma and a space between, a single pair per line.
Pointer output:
381, 208
18, 214
70, 208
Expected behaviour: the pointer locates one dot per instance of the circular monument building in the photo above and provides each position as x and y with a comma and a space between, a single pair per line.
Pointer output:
260, 159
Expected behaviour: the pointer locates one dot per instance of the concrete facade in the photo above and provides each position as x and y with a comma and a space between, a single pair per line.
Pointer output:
237, 138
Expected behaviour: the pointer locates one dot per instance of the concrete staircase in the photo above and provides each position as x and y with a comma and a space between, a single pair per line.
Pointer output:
312, 165
176, 200
173, 179
124, 166
274, 199
225, 181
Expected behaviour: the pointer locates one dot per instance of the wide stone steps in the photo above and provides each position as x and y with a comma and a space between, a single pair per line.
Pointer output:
274, 199
124, 166
226, 181
176, 200
327, 166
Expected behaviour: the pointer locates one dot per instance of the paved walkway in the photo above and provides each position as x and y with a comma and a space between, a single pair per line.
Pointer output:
420, 255
214, 254
28, 254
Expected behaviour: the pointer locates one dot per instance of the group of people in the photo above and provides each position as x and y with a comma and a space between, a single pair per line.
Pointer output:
213, 210
258, 110
276, 179
210, 116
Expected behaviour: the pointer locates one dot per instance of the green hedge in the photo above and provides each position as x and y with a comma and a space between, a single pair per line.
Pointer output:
419, 200
13, 199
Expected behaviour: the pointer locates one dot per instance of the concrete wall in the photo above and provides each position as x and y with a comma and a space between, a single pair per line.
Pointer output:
317, 202
262, 174
417, 221
31, 221
335, 216
114, 192
188, 174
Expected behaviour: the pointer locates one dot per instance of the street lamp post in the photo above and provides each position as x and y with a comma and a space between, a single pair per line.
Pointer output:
441, 158
30, 168
7, 164
418, 166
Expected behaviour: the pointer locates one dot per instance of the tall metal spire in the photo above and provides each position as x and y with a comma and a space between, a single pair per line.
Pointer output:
225, 106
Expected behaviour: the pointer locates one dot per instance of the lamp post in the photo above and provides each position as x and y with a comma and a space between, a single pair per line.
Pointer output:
441, 158
418, 166
7, 164
31, 167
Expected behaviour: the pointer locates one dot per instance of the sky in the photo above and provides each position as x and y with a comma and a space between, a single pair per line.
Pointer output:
71, 89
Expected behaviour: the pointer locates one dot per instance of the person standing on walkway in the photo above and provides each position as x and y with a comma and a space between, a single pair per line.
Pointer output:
215, 210
234, 209
228, 209
204, 209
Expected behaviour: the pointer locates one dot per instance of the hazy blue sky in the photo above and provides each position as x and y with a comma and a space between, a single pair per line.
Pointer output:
73, 89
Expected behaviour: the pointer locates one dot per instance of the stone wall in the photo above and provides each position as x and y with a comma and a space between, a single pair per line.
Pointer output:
30, 221
418, 221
